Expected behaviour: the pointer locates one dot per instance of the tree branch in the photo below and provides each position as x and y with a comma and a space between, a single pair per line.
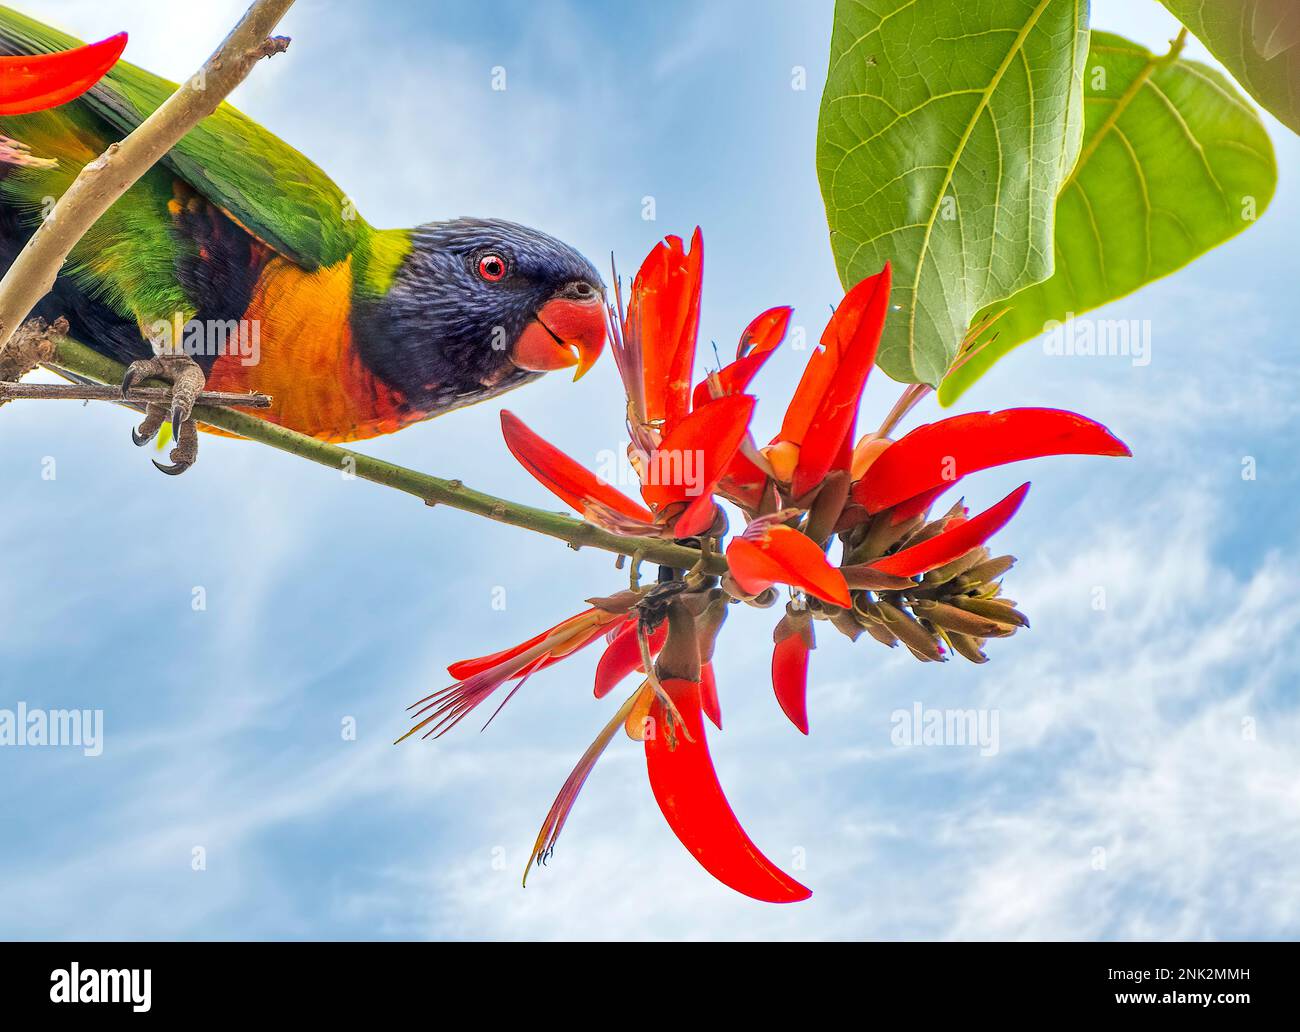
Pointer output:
110, 175
74, 356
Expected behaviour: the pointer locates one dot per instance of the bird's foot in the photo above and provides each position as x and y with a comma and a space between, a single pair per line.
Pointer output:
187, 382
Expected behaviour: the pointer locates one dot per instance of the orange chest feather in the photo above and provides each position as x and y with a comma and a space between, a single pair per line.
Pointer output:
296, 345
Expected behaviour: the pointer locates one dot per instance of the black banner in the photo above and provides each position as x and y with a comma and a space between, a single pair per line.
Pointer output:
148, 981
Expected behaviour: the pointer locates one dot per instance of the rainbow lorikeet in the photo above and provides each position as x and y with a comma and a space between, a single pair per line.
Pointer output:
238, 263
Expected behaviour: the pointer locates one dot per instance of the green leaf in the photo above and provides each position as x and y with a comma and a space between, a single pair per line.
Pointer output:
1174, 162
1258, 41
946, 130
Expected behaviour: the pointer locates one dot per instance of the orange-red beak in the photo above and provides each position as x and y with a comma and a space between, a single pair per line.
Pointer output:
565, 332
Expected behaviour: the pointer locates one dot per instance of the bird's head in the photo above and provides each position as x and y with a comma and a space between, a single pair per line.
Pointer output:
482, 305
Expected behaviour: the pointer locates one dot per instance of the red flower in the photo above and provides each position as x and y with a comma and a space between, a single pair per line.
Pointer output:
656, 352
958, 537
794, 641
690, 460
819, 423
579, 487
760, 339
935, 456
678, 477
843, 526
683, 442
686, 787
478, 678
769, 553
623, 656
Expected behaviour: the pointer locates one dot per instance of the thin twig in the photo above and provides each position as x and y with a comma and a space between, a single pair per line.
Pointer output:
908, 400
136, 396
108, 177
1175, 46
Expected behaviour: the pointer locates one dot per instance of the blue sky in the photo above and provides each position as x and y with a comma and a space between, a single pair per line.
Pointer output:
1121, 729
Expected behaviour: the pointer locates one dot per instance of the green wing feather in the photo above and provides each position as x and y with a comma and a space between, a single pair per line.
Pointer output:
128, 257
276, 193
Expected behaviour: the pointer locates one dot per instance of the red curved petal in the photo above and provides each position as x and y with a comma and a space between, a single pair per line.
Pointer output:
623, 656
960, 537
782, 555
709, 701
466, 668
730, 379
937, 455
757, 343
765, 332
561, 475
790, 679
823, 365
665, 306
39, 81
755, 571
853, 334
686, 787
818, 374
697, 451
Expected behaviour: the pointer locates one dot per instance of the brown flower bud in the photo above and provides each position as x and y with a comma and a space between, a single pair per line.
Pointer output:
958, 566
991, 570
824, 511
864, 578
619, 602
909, 631
795, 621
873, 620
844, 621
950, 618
966, 647
680, 657
708, 621
1000, 610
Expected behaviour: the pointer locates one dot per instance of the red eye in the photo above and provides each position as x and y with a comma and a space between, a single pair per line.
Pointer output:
491, 267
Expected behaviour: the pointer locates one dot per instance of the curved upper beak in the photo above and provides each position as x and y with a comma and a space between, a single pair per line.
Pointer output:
568, 330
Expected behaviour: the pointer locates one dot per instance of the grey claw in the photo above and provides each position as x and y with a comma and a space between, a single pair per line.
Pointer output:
139, 439
177, 420
174, 470
128, 381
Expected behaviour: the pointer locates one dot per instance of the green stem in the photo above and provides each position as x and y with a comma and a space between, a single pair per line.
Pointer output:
432, 490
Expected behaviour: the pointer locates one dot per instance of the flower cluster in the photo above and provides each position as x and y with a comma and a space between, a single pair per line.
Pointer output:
816, 487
